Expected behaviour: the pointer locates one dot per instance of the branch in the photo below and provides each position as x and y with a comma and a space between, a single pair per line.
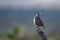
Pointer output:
40, 32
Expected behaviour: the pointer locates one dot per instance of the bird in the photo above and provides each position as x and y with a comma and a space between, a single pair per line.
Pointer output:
37, 21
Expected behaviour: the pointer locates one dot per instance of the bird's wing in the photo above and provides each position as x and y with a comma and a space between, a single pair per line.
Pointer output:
42, 24
39, 22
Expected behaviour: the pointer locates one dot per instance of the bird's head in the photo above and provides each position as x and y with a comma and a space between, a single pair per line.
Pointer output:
38, 14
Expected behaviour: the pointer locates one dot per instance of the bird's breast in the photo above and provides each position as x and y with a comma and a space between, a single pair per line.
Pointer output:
38, 22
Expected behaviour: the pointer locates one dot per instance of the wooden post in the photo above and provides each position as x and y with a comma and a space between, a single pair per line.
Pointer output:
41, 33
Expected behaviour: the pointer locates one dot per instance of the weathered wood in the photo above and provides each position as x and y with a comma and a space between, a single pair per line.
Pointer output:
41, 33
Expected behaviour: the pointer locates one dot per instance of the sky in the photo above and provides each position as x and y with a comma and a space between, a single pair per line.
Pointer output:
29, 4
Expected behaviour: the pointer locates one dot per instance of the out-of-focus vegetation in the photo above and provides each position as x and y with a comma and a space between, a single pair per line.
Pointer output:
20, 33
55, 37
16, 34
